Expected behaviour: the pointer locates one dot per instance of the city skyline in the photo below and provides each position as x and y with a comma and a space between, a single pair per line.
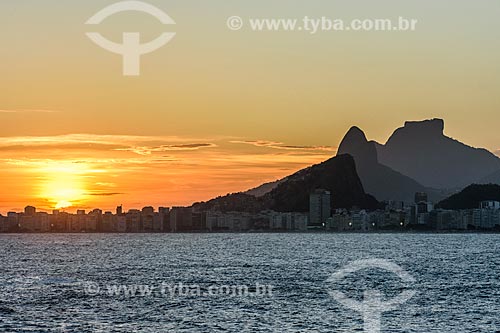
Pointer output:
420, 215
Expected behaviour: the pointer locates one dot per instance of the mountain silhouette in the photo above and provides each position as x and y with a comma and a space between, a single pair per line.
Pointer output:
417, 158
421, 151
291, 194
379, 180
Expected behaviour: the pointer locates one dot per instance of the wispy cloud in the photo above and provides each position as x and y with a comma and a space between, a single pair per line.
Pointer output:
104, 194
102, 184
281, 145
92, 138
144, 150
141, 145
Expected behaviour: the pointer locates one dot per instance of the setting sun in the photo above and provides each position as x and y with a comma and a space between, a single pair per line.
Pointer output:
63, 184
64, 191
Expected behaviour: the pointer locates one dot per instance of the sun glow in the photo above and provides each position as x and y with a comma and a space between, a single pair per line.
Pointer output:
63, 204
64, 191
64, 186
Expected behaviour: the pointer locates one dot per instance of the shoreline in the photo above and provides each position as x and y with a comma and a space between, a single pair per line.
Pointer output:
443, 232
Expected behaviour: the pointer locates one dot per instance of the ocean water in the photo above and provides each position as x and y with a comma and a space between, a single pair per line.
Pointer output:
66, 283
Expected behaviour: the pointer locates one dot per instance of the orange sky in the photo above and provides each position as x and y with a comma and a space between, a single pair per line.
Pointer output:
219, 111
89, 171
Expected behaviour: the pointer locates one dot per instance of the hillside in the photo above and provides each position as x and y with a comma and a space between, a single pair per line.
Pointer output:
337, 175
471, 196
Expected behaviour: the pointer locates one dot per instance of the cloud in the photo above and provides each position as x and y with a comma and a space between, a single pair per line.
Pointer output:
105, 194
69, 140
141, 145
258, 143
192, 146
104, 184
281, 145
39, 146
144, 150
71, 146
98, 139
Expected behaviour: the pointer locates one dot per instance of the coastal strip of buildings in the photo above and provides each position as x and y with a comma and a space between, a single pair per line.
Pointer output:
147, 220
396, 216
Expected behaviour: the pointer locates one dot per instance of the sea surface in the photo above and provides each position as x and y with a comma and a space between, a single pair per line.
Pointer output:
67, 282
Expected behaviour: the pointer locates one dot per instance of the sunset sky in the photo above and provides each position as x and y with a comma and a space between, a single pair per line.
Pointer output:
218, 111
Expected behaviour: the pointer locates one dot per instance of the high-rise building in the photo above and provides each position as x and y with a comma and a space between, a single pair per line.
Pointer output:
120, 223
487, 216
133, 220
319, 207
29, 211
420, 197
164, 216
119, 210
107, 222
181, 219
147, 219
489, 205
419, 214
3, 224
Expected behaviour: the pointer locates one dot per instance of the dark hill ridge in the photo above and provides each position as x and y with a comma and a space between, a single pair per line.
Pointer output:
379, 180
421, 151
337, 175
471, 196
264, 188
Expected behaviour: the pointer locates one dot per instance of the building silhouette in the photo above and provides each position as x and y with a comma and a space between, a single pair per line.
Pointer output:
319, 207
